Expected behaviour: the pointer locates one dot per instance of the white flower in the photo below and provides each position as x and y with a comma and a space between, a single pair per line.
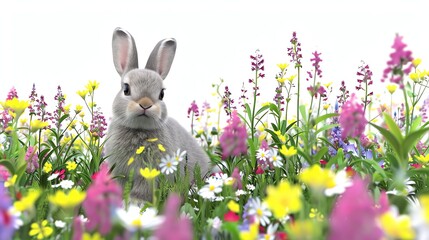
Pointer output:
271, 232
53, 176
263, 154
226, 180
168, 165
409, 189
214, 186
259, 210
179, 156
275, 159
59, 224
133, 219
250, 187
216, 223
240, 192
342, 181
65, 184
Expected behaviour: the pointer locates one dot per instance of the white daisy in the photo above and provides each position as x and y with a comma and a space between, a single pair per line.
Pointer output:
275, 159
271, 232
168, 165
259, 210
133, 219
60, 224
179, 156
263, 154
214, 185
342, 181
53, 176
64, 184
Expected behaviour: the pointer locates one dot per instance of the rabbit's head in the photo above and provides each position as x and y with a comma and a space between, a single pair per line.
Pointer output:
139, 104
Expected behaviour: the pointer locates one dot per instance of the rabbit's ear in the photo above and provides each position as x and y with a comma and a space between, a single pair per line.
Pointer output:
124, 51
162, 56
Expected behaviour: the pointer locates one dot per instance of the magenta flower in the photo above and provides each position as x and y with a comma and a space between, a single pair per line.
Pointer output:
193, 109
4, 173
234, 138
98, 125
295, 51
174, 227
7, 220
400, 62
316, 63
32, 159
352, 118
354, 216
12, 94
102, 197
237, 179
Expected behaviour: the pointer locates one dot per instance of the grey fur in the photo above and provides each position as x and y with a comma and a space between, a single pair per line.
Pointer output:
132, 126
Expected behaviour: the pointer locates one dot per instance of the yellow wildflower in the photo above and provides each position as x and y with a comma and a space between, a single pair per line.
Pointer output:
317, 177
326, 106
70, 200
65, 140
304, 229
88, 236
82, 93
27, 202
140, 150
78, 108
41, 230
314, 213
283, 199
424, 203
422, 158
397, 227
72, 125
92, 85
18, 106
92, 104
149, 174
70, 165
161, 148
10, 181
281, 80
233, 206
414, 76
67, 108
252, 233
291, 78
82, 114
23, 121
36, 125
131, 160
327, 85
47, 168
282, 66
288, 152
416, 62
391, 88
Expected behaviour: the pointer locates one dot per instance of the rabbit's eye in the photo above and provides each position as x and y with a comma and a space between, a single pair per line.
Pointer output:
161, 94
127, 91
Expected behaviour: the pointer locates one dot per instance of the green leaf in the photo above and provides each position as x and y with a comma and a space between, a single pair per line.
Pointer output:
231, 228
411, 139
391, 139
325, 127
416, 123
320, 154
324, 117
373, 164
393, 127
263, 108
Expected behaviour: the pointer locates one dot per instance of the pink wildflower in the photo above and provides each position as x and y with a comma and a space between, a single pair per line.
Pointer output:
234, 138
193, 109
354, 215
352, 118
400, 62
237, 179
32, 159
4, 173
103, 195
174, 227
12, 94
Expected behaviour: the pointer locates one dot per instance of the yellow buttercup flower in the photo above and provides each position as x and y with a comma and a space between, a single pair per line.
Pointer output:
70, 165
326, 106
327, 85
36, 125
391, 88
161, 148
291, 78
288, 152
70, 200
397, 227
88, 236
82, 93
47, 168
27, 202
424, 203
149, 174
67, 108
92, 85
18, 106
416, 62
284, 199
41, 230
78, 108
10, 181
423, 158
233, 206
282, 66
140, 150
317, 177
23, 121
281, 80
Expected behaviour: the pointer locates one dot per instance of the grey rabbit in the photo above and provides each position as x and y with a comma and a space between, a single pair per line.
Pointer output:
140, 114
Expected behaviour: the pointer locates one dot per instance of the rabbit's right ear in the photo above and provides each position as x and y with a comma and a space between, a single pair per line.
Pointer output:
124, 51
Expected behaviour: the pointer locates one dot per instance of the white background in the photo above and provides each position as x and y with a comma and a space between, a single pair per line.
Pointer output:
52, 43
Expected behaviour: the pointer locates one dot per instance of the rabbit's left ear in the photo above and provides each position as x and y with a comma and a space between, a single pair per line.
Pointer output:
124, 51
162, 56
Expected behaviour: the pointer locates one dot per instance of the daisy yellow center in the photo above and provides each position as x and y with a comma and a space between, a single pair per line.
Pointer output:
274, 158
259, 212
136, 222
169, 164
212, 188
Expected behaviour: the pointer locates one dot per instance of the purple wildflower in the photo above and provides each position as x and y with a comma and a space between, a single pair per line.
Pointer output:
316, 63
174, 227
193, 109
103, 195
32, 97
4, 174
364, 77
400, 63
12, 94
234, 138
98, 125
257, 64
279, 98
7, 220
228, 102
344, 94
59, 97
237, 179
354, 215
352, 118
32, 159
243, 96
295, 51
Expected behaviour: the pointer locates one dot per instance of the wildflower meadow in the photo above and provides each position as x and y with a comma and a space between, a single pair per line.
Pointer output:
313, 162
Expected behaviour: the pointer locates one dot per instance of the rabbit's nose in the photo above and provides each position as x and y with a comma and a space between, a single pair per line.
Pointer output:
145, 103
